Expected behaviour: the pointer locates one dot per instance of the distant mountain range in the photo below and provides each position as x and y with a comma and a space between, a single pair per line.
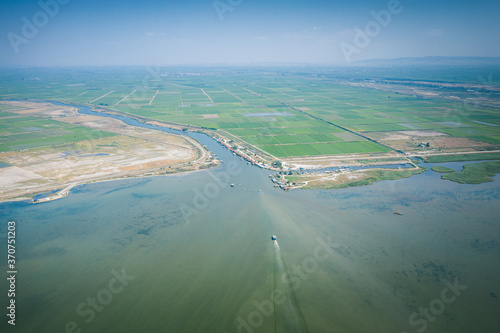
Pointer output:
438, 61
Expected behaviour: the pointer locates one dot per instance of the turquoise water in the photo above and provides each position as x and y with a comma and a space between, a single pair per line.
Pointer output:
189, 253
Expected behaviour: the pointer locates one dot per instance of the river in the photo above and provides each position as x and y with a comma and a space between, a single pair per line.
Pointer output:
190, 253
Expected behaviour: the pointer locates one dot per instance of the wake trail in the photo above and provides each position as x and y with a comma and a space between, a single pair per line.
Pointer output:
292, 318
220, 180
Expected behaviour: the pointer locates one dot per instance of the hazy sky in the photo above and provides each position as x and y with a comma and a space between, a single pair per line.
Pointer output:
151, 32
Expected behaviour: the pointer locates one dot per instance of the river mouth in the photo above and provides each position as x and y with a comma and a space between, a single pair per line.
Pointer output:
195, 255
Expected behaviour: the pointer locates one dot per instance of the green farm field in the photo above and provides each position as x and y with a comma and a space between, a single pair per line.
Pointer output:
286, 114
23, 132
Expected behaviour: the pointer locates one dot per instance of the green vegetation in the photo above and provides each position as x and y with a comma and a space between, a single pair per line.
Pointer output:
442, 169
277, 164
476, 173
287, 115
373, 176
461, 157
368, 177
22, 132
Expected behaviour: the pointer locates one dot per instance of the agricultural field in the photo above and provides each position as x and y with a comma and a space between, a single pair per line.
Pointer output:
19, 132
284, 113
46, 147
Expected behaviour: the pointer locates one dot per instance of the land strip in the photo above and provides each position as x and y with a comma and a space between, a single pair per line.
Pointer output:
210, 98
130, 152
345, 177
124, 98
98, 98
153, 98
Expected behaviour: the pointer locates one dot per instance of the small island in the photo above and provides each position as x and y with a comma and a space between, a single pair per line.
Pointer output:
442, 169
475, 173
345, 177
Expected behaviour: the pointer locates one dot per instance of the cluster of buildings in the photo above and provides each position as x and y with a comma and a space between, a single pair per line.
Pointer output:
281, 182
238, 153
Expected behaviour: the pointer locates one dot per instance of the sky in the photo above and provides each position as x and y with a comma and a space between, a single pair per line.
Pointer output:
329, 32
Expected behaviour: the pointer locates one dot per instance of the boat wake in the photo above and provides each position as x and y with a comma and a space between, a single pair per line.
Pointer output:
288, 315
231, 184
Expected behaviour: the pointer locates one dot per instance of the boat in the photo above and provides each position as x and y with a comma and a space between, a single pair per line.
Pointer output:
232, 185
273, 237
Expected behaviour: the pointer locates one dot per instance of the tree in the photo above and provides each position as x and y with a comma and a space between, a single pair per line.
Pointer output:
277, 164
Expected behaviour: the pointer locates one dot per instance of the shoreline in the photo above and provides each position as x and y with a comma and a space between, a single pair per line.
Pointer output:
68, 187
346, 178
239, 149
134, 152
